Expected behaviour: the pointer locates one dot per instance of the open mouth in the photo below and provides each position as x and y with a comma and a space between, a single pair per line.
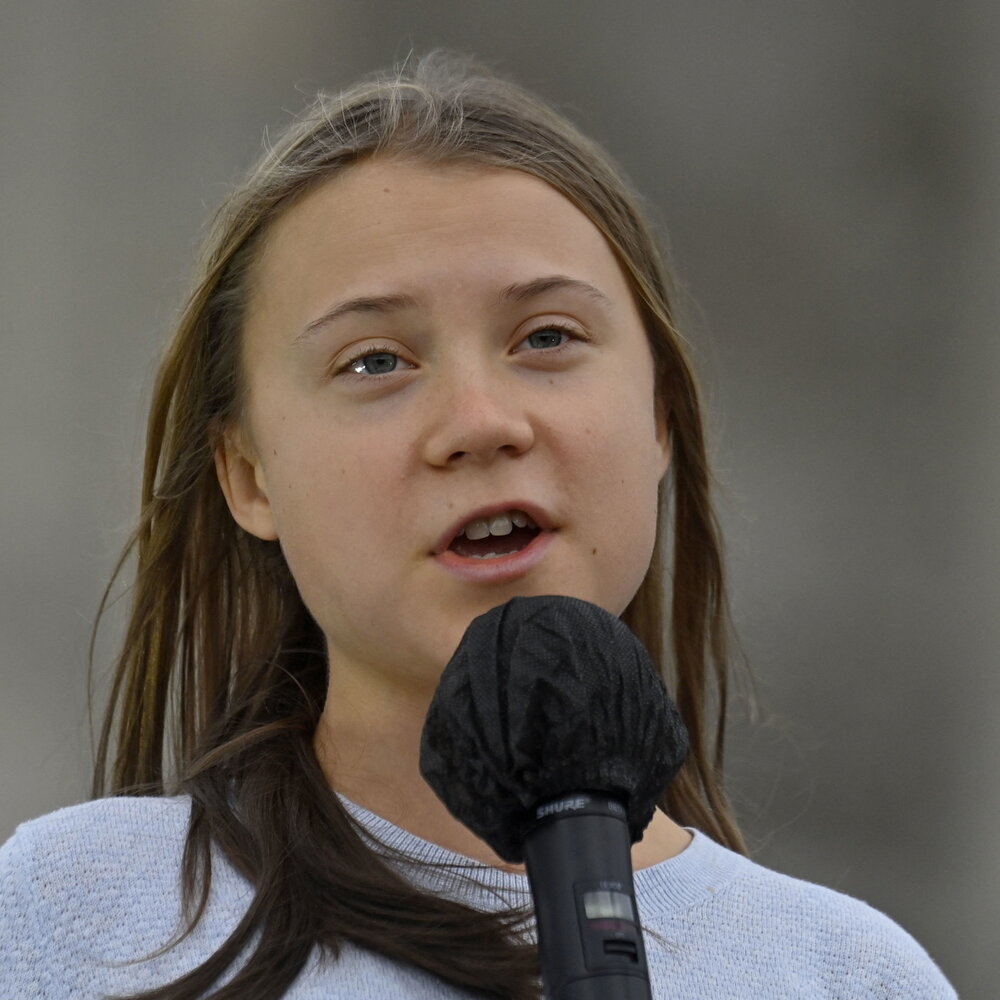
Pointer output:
496, 536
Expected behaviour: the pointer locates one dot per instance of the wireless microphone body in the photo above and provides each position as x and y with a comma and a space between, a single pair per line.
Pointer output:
578, 857
551, 737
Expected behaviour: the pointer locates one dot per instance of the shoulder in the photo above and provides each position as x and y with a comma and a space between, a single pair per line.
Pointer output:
779, 931
88, 887
845, 937
97, 831
70, 859
90, 824
92, 841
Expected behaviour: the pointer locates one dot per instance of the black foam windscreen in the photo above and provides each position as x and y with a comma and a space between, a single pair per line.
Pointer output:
544, 696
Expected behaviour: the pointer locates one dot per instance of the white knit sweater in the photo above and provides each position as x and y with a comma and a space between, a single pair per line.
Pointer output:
87, 889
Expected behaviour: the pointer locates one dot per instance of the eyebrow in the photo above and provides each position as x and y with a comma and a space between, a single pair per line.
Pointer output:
517, 292
361, 304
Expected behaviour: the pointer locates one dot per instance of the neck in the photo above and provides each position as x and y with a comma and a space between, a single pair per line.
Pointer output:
368, 746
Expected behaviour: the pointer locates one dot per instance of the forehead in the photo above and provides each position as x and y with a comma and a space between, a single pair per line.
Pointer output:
390, 225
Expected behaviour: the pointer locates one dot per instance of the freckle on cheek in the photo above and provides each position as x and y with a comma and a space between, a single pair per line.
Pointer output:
593, 552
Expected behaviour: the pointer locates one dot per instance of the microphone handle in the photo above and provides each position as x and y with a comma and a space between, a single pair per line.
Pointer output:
579, 863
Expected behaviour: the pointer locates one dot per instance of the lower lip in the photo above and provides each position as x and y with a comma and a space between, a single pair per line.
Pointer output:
500, 569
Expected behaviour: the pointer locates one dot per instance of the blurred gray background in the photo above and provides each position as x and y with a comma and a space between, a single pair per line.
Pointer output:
828, 177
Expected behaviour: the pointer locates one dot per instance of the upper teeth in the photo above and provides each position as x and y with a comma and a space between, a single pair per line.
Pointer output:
499, 524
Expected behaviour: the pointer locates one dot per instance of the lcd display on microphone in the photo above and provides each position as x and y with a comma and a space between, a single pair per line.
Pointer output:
604, 904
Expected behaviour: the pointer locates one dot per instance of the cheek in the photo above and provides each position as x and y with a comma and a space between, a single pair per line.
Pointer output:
334, 528
332, 498
618, 470
622, 439
635, 542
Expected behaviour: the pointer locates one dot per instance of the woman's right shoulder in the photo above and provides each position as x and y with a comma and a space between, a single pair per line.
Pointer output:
122, 830
86, 890
77, 888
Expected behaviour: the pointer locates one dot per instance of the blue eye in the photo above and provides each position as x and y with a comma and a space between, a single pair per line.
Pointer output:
376, 363
546, 337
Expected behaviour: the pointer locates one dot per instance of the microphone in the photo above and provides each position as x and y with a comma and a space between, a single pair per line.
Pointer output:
551, 737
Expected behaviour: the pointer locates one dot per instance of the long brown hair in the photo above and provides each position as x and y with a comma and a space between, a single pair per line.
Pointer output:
222, 675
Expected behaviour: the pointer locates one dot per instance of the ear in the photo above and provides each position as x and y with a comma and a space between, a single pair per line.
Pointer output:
244, 485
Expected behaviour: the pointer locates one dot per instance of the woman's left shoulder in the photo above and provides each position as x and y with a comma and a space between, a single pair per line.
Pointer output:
783, 930
854, 940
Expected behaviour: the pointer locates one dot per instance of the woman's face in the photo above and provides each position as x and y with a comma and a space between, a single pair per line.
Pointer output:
433, 353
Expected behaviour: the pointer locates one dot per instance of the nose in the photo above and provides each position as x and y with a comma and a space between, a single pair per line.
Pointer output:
476, 417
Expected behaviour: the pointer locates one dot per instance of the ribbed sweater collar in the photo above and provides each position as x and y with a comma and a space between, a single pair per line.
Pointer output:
694, 875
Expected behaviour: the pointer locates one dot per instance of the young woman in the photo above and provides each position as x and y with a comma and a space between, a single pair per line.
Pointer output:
430, 365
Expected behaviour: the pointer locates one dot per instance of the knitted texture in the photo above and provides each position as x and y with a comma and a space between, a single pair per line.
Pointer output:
87, 890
